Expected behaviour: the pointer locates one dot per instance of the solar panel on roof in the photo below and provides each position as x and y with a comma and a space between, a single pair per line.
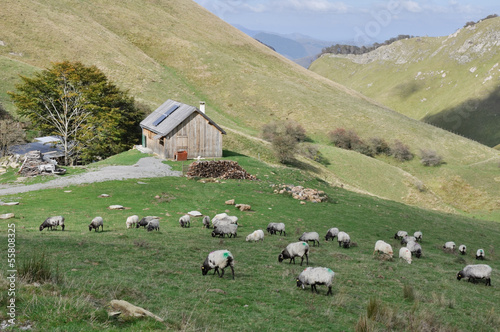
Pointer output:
165, 115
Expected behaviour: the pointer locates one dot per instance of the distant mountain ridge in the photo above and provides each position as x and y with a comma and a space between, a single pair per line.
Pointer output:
452, 82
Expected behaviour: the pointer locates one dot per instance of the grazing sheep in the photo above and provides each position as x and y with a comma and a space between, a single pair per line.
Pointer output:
219, 259
383, 248
296, 249
475, 273
206, 221
310, 236
463, 249
144, 221
344, 239
96, 223
418, 236
480, 254
223, 229
275, 227
450, 245
415, 248
154, 224
224, 219
53, 222
316, 276
256, 236
132, 221
400, 234
405, 254
185, 221
331, 234
407, 239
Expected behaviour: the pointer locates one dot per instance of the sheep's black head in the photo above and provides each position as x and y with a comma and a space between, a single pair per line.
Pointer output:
90, 227
460, 275
418, 253
300, 284
204, 270
41, 228
280, 258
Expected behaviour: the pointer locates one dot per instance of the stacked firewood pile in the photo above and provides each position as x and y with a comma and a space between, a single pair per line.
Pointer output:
34, 165
301, 193
222, 169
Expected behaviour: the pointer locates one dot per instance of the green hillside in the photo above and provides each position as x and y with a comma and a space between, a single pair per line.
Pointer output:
160, 271
451, 82
176, 49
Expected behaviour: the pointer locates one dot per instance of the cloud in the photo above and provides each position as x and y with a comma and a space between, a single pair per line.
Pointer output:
322, 6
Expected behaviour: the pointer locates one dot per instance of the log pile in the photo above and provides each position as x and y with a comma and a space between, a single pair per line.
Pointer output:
222, 169
301, 193
34, 165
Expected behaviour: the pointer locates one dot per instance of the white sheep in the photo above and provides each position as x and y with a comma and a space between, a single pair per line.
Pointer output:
450, 245
331, 233
415, 248
53, 222
218, 259
475, 272
154, 224
275, 227
224, 219
418, 236
295, 249
132, 221
400, 234
96, 223
316, 276
463, 249
405, 254
206, 221
383, 248
310, 236
256, 236
344, 239
225, 229
185, 220
480, 254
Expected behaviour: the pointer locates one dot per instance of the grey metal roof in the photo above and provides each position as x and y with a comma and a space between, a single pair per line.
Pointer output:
174, 119
51, 150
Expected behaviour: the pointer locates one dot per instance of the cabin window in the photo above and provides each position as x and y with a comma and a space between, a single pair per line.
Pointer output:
162, 141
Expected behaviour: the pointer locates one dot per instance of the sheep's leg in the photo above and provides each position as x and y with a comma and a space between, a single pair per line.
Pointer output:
329, 291
216, 270
301, 260
307, 258
223, 270
488, 281
232, 270
318, 242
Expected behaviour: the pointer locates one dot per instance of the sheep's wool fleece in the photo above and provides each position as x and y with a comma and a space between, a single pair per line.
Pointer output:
317, 275
405, 254
218, 258
477, 271
297, 248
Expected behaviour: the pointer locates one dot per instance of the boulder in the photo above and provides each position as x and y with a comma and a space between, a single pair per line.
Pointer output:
243, 207
230, 202
6, 215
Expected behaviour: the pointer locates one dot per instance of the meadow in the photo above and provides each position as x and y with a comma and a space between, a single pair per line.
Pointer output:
160, 271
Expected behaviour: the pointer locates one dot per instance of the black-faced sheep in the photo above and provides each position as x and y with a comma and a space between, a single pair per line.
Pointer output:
316, 276
224, 219
144, 221
480, 254
296, 249
96, 223
344, 239
405, 253
331, 233
475, 273
225, 229
418, 236
275, 227
407, 239
415, 248
52, 223
400, 234
206, 221
185, 221
450, 246
463, 249
219, 259
310, 236
153, 225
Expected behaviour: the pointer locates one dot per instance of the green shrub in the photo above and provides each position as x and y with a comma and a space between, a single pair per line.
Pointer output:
401, 151
430, 158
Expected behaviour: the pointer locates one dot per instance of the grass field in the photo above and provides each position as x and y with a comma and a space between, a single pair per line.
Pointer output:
160, 271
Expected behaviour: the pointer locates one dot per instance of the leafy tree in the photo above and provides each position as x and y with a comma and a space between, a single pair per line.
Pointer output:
284, 137
11, 132
93, 118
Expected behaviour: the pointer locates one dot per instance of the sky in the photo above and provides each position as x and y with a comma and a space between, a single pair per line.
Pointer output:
360, 22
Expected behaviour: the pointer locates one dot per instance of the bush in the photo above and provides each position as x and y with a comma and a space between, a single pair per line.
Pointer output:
284, 147
379, 146
311, 151
401, 151
344, 139
430, 158
284, 137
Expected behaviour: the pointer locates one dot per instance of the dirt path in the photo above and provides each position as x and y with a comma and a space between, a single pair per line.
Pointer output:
148, 167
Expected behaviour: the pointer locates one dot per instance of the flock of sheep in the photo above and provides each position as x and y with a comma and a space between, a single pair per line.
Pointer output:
224, 224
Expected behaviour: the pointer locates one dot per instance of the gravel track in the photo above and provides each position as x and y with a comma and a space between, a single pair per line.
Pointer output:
148, 167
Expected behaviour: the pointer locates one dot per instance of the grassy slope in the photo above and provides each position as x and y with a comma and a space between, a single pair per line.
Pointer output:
160, 50
160, 271
451, 81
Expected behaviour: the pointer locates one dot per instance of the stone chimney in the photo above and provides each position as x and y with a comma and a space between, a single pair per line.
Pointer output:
202, 107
